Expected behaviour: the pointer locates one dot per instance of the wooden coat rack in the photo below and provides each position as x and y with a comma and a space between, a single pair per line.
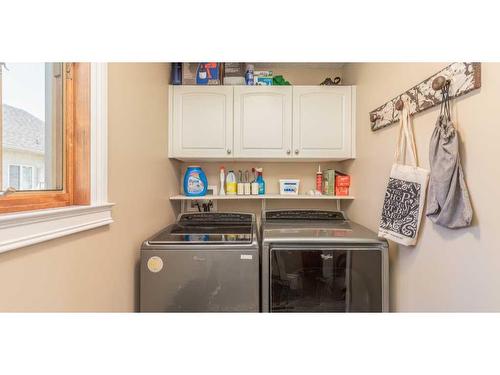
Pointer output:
461, 78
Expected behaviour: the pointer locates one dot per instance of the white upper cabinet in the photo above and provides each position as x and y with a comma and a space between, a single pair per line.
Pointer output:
201, 122
262, 121
323, 122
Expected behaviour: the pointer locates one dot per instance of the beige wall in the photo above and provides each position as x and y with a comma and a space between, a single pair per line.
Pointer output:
449, 270
96, 270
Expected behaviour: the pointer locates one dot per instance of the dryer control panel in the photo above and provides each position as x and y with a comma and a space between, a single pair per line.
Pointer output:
300, 215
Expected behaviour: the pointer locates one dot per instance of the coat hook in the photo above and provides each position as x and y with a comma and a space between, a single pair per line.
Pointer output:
399, 105
374, 117
439, 83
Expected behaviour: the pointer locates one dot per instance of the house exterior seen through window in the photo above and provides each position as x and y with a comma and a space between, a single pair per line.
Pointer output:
31, 121
21, 177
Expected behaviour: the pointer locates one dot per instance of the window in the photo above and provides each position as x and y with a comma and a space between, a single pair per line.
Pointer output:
82, 202
45, 137
21, 177
14, 176
32, 125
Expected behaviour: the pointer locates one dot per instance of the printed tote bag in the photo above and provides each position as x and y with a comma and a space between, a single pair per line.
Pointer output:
405, 194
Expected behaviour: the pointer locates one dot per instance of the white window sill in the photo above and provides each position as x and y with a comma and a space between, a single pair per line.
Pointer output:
28, 228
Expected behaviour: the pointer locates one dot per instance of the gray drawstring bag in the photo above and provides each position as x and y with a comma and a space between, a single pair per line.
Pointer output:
448, 202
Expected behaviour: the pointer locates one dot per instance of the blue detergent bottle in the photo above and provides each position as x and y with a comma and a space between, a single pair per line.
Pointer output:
195, 182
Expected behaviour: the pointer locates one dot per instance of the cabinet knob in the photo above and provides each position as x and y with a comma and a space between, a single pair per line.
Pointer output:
288, 152
228, 151
296, 152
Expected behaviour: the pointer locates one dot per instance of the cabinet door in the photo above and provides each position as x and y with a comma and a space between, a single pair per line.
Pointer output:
322, 122
202, 122
262, 121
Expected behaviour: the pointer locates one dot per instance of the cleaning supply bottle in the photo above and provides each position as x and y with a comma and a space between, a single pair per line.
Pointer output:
231, 183
249, 75
260, 181
202, 75
319, 180
254, 186
195, 182
222, 176
176, 74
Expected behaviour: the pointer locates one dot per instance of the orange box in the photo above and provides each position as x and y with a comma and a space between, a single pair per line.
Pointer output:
341, 190
342, 180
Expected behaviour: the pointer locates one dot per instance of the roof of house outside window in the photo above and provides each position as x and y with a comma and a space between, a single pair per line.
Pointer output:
22, 130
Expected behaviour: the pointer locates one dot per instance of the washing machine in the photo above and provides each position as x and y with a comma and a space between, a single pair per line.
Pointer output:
319, 261
205, 262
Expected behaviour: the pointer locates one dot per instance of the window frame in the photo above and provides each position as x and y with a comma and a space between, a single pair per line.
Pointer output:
20, 229
76, 170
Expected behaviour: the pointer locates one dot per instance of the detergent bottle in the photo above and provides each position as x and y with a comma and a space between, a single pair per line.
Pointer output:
231, 183
195, 182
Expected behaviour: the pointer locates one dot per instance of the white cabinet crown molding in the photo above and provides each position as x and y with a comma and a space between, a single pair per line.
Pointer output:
27, 228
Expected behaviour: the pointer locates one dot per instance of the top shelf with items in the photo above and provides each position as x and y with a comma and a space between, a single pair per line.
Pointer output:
284, 123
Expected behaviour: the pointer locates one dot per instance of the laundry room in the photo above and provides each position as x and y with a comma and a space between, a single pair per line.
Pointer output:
300, 195
244, 163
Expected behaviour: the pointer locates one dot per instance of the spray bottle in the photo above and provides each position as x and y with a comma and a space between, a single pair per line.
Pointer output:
260, 181
222, 176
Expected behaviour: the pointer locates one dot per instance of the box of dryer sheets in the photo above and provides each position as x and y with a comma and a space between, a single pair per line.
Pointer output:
342, 179
259, 75
189, 73
342, 191
264, 81
209, 74
342, 184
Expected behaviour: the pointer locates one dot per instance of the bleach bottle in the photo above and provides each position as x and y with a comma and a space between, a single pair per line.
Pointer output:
195, 182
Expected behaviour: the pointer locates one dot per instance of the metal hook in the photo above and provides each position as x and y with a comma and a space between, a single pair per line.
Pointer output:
399, 105
440, 83
374, 117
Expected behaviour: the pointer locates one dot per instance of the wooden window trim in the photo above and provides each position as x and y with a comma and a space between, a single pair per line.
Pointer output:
76, 186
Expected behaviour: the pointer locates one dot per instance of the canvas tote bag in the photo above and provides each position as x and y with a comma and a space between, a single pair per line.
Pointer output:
405, 194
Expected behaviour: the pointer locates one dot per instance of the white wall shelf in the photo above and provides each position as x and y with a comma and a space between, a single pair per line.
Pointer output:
263, 198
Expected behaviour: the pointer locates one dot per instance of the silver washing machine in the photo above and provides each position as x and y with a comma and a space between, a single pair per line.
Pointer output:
205, 262
318, 261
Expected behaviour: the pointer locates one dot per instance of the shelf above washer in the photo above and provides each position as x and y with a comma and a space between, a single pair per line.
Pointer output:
261, 197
